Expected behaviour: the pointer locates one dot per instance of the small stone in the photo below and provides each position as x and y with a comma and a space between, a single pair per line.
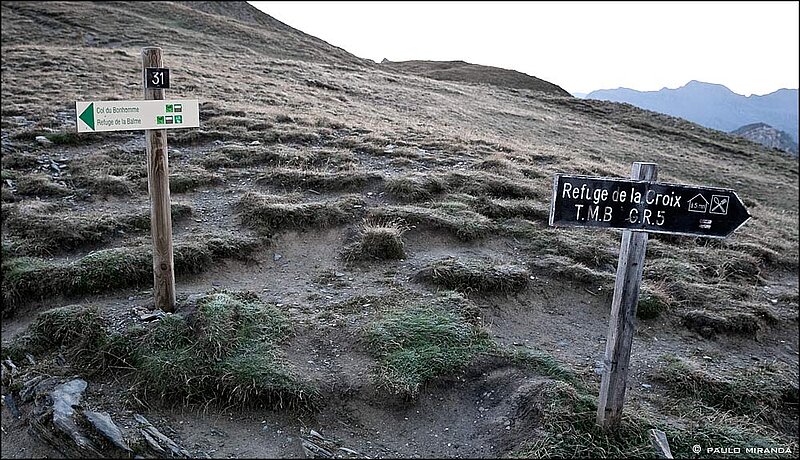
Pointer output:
12, 405
255, 143
103, 423
43, 140
147, 317
276, 257
647, 386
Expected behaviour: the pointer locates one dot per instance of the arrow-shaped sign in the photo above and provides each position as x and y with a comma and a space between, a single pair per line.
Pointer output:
100, 116
88, 116
656, 207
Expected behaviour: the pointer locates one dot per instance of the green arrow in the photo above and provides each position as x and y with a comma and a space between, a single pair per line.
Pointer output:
88, 116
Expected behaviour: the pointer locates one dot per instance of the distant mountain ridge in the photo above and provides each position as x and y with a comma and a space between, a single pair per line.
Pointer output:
714, 106
475, 73
768, 136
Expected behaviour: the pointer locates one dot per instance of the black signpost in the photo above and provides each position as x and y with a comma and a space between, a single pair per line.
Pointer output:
638, 206
652, 207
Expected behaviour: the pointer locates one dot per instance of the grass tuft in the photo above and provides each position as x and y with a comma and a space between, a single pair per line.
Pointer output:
576, 271
652, 302
28, 279
319, 180
268, 213
420, 342
755, 391
67, 138
226, 350
710, 324
474, 275
40, 185
415, 187
378, 240
454, 218
190, 178
41, 231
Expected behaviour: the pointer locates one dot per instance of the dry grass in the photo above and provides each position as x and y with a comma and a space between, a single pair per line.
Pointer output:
760, 391
473, 161
416, 187
226, 350
270, 213
564, 267
474, 275
39, 230
710, 323
422, 187
318, 180
189, 178
377, 240
453, 217
27, 279
40, 185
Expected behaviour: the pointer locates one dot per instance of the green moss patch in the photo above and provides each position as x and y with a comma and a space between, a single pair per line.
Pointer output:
226, 350
417, 343
27, 279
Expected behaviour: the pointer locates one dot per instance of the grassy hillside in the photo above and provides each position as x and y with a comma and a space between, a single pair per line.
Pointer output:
474, 73
365, 253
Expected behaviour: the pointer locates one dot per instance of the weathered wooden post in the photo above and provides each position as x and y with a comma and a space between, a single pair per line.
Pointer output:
154, 115
158, 188
623, 314
639, 206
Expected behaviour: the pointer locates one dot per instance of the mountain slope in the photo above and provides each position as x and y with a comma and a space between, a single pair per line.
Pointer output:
363, 258
768, 136
714, 106
474, 73
241, 30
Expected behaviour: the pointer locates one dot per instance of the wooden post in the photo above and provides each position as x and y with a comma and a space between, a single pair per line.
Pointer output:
158, 187
623, 315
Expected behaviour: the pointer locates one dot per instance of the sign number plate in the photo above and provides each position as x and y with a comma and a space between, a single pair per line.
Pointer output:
157, 78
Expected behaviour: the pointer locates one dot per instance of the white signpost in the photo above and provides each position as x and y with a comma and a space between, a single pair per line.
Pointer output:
96, 116
154, 115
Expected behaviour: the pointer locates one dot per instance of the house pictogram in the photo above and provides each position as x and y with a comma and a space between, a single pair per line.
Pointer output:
698, 203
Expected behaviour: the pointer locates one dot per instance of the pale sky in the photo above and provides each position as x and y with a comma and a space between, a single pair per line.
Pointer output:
750, 47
